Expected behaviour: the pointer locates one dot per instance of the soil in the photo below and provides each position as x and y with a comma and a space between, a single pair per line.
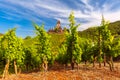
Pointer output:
60, 73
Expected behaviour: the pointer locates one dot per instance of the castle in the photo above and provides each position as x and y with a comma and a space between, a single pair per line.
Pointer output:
57, 28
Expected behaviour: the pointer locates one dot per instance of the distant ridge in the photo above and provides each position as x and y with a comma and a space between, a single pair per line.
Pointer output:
114, 27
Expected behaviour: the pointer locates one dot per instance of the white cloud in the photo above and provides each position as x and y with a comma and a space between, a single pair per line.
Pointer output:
84, 26
87, 5
112, 16
58, 10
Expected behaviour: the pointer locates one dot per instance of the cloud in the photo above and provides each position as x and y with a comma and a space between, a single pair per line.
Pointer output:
87, 13
84, 26
87, 5
112, 16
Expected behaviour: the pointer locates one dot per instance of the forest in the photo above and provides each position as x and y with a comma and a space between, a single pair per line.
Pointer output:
95, 48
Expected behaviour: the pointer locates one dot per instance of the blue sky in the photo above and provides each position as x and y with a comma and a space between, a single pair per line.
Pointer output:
21, 13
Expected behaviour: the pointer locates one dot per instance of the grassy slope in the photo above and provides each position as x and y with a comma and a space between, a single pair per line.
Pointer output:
56, 39
91, 32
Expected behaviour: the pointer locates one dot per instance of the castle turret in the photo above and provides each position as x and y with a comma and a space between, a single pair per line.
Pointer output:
58, 25
57, 28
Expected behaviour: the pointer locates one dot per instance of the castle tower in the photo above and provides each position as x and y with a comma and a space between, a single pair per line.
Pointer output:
58, 25
57, 28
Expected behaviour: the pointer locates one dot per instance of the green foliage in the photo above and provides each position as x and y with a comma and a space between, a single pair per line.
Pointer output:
106, 36
72, 40
56, 40
13, 47
12, 50
71, 51
115, 47
115, 28
62, 57
28, 37
87, 49
43, 45
112, 47
32, 60
92, 31
19, 56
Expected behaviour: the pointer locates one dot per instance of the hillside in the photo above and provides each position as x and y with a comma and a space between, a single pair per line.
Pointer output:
56, 41
114, 27
58, 38
55, 38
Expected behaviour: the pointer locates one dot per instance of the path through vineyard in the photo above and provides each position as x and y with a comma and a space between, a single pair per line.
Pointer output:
59, 73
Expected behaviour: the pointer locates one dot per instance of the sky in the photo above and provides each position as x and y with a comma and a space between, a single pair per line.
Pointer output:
22, 13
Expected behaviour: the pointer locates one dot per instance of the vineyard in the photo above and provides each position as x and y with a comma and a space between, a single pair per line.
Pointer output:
71, 55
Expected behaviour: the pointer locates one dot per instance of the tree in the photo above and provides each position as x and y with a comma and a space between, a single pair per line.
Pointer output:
111, 50
28, 57
19, 54
62, 57
13, 50
43, 47
73, 50
106, 34
86, 47
28, 37
99, 45
103, 35
95, 53
109, 44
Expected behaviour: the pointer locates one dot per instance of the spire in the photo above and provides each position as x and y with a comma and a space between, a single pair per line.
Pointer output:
58, 25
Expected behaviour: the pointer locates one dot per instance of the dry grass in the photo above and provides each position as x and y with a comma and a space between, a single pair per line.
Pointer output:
59, 73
